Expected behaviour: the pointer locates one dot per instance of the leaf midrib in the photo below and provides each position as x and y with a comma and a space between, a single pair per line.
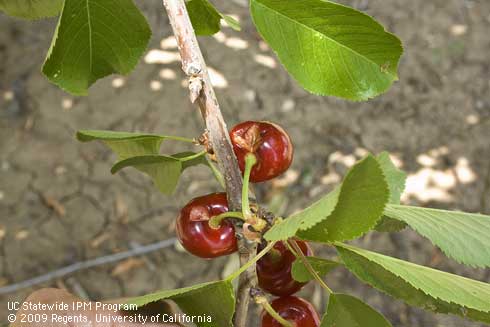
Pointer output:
89, 35
321, 34
386, 266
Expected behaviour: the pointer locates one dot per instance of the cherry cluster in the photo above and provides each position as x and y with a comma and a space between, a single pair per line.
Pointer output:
210, 238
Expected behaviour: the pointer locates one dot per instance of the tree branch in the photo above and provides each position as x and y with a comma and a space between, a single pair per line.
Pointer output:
202, 93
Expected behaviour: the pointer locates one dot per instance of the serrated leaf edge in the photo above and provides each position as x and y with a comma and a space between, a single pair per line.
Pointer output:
394, 77
350, 248
340, 195
446, 253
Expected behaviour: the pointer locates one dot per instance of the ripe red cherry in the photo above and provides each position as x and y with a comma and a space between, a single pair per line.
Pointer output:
270, 144
294, 309
194, 232
274, 269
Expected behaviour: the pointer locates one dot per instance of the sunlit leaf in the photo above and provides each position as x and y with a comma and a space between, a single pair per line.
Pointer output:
94, 39
361, 203
345, 213
465, 237
419, 286
330, 49
214, 301
347, 311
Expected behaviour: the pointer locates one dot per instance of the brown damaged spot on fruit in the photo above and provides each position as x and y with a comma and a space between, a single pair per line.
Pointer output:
250, 140
199, 213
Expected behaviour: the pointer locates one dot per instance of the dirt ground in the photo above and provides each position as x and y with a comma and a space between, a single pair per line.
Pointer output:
59, 204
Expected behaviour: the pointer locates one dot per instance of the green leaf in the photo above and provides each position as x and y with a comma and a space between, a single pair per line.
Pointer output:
394, 177
328, 48
100, 135
345, 213
94, 39
31, 9
321, 266
360, 206
125, 144
206, 18
347, 311
215, 300
308, 217
389, 225
419, 286
141, 151
190, 159
232, 22
465, 237
396, 182
164, 171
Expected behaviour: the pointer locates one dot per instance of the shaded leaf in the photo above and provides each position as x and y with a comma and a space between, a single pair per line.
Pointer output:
125, 144
347, 311
389, 225
206, 18
420, 286
330, 49
94, 39
215, 300
394, 177
190, 159
163, 170
31, 9
141, 151
465, 237
321, 266
101, 135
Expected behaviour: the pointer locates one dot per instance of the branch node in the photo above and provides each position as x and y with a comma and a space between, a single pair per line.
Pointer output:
195, 87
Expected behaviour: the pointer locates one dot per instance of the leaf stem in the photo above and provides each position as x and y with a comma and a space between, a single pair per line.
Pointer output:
250, 161
180, 138
215, 221
194, 156
308, 266
251, 262
217, 174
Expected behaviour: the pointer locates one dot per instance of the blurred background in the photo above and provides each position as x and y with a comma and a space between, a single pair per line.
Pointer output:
59, 203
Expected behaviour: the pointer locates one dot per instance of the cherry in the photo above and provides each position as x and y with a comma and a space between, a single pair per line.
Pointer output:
270, 144
194, 232
294, 309
274, 269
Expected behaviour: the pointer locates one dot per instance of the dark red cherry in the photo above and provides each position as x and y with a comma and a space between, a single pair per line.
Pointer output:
294, 309
274, 269
194, 232
270, 144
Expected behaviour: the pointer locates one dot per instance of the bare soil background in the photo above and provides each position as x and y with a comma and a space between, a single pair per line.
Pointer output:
59, 204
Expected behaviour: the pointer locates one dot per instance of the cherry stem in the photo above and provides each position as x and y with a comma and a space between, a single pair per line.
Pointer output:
262, 300
250, 161
215, 222
251, 262
297, 252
